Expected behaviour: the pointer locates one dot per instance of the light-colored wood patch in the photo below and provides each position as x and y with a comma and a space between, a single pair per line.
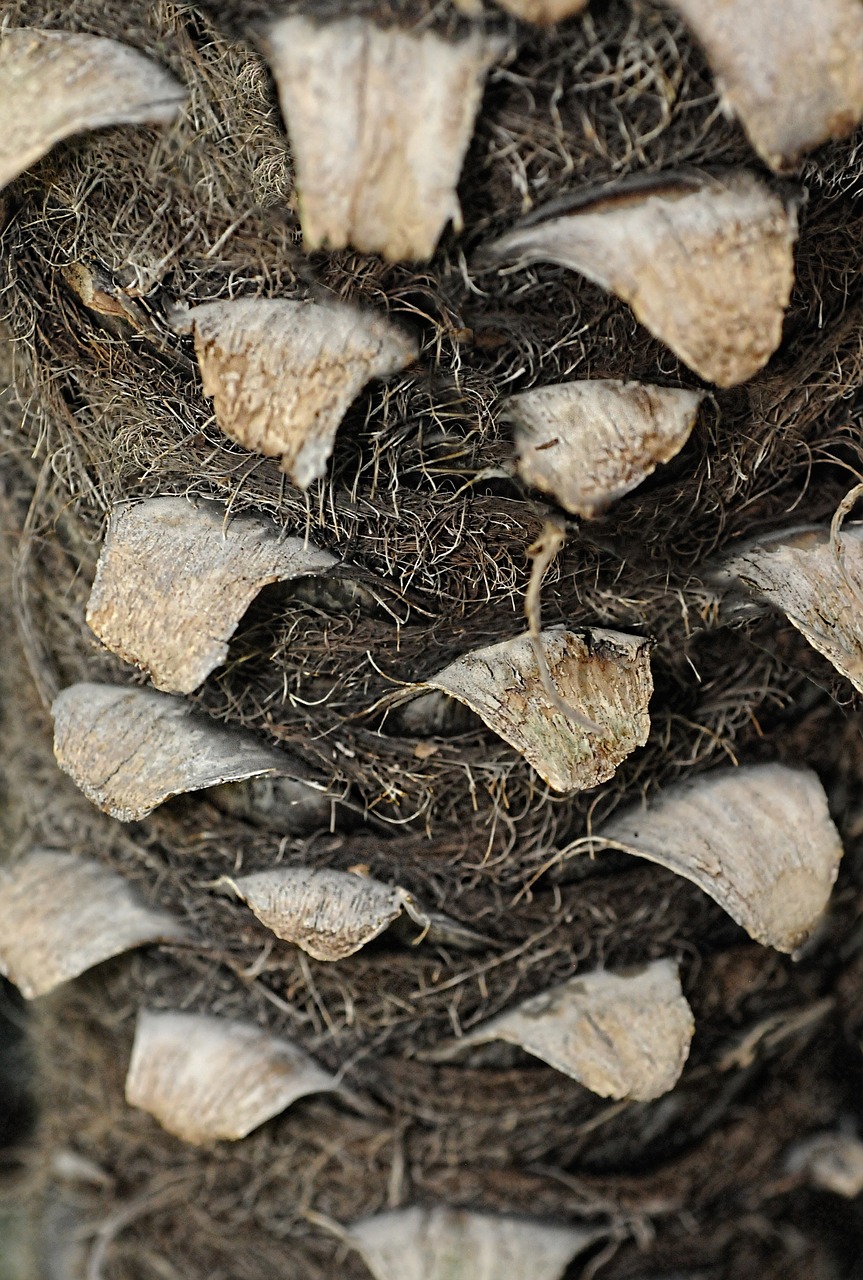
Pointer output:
61, 915
380, 121
205, 1078
758, 839
282, 374
175, 577
589, 443
705, 263
54, 84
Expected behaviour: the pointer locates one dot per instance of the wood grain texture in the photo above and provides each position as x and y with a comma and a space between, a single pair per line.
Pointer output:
282, 374
61, 915
451, 1244
379, 121
758, 839
129, 750
175, 577
205, 1078
588, 443
818, 585
604, 675
54, 84
790, 70
705, 263
620, 1035
329, 914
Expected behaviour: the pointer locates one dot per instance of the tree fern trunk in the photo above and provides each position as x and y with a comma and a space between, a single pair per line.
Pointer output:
423, 508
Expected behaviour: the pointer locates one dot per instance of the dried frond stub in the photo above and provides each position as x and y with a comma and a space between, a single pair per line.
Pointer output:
61, 915
175, 577
54, 84
129, 750
818, 585
206, 1078
543, 12
282, 374
379, 122
758, 839
603, 675
330, 914
333, 914
621, 1035
832, 1161
790, 70
706, 263
454, 1244
588, 443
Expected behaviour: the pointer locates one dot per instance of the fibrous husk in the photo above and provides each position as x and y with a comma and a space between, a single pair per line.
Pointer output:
603, 675
54, 84
705, 262
175, 577
758, 839
129, 750
790, 70
621, 1035
206, 1078
379, 123
832, 1161
453, 1244
588, 443
818, 585
543, 12
330, 914
282, 374
61, 915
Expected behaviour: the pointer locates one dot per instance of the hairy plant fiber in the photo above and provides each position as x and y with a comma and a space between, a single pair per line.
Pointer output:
421, 497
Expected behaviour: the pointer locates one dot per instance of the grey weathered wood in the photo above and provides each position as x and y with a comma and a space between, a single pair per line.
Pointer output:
790, 70
758, 839
603, 675
54, 84
129, 750
175, 577
621, 1035
818, 585
706, 263
205, 1078
453, 1244
588, 443
282, 374
380, 120
61, 915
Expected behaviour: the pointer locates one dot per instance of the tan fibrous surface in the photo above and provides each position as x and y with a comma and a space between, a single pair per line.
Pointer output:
621, 1035
588, 443
603, 675
129, 750
175, 577
379, 123
705, 262
55, 83
61, 915
817, 582
206, 1078
282, 373
450, 1244
759, 839
543, 12
790, 70
330, 914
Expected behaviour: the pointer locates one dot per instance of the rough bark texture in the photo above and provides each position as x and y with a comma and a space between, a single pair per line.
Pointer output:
105, 243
